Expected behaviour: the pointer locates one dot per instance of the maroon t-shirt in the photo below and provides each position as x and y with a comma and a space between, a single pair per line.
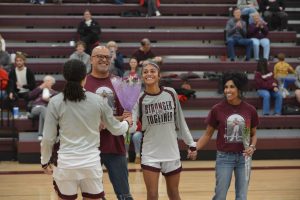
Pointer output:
231, 121
103, 86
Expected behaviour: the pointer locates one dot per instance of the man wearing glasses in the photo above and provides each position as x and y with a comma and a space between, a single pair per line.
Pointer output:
113, 153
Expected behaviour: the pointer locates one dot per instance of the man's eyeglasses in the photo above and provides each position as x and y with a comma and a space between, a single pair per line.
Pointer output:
102, 57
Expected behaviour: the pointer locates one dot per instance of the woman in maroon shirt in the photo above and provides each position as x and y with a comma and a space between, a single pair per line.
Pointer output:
233, 118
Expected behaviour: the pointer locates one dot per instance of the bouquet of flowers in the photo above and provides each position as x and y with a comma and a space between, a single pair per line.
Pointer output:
128, 90
246, 143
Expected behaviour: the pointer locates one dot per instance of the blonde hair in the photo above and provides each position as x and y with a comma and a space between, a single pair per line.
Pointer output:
112, 44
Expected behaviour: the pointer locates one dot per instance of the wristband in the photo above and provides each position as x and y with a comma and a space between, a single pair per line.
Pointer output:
45, 166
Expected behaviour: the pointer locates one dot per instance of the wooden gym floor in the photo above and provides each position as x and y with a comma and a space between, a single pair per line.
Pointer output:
270, 180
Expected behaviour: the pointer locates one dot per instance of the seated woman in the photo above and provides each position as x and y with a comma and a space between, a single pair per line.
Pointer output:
267, 87
258, 32
40, 97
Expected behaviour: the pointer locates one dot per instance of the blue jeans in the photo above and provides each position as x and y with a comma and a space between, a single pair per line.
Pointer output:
266, 95
2, 94
231, 42
116, 166
248, 11
137, 139
265, 43
286, 81
226, 163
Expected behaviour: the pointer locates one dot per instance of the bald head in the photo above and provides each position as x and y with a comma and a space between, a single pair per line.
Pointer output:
100, 50
100, 60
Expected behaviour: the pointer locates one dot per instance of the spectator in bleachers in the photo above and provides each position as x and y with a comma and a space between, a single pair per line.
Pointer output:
40, 97
89, 31
21, 80
267, 87
284, 73
274, 14
117, 62
297, 83
5, 60
79, 54
247, 7
152, 7
234, 119
258, 32
144, 53
3, 45
134, 70
3, 82
236, 32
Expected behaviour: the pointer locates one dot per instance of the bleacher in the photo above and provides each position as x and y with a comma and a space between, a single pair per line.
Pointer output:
190, 37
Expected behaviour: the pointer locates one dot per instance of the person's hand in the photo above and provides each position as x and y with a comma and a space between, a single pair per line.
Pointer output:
239, 24
192, 155
102, 126
274, 84
267, 8
280, 8
249, 151
43, 85
11, 96
19, 86
275, 89
126, 114
48, 170
129, 120
157, 59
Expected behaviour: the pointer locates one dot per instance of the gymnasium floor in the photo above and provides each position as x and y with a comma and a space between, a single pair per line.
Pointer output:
271, 180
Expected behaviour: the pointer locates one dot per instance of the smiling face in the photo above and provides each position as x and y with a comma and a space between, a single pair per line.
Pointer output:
231, 92
100, 60
150, 75
87, 15
133, 64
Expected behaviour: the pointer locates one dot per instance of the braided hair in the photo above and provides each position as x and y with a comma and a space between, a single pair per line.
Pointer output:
74, 73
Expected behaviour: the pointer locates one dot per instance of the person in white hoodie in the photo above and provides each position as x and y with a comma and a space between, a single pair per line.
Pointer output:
78, 113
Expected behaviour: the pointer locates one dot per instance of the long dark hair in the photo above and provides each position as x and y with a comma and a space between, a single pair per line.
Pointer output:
239, 79
262, 66
74, 72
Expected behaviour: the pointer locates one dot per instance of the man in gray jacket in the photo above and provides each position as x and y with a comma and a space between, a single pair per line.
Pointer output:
236, 32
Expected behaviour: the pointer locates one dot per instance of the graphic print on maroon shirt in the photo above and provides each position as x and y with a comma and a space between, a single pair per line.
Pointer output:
235, 125
103, 87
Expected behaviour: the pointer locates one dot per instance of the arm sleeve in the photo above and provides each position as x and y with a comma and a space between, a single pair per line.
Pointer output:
30, 80
49, 133
230, 29
183, 131
112, 124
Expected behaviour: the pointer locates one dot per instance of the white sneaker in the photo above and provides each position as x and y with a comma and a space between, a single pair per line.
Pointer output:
157, 13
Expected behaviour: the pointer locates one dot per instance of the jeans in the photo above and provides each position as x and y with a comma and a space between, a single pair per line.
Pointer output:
151, 6
231, 42
137, 139
2, 94
40, 111
265, 43
116, 166
248, 11
266, 95
286, 81
226, 163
